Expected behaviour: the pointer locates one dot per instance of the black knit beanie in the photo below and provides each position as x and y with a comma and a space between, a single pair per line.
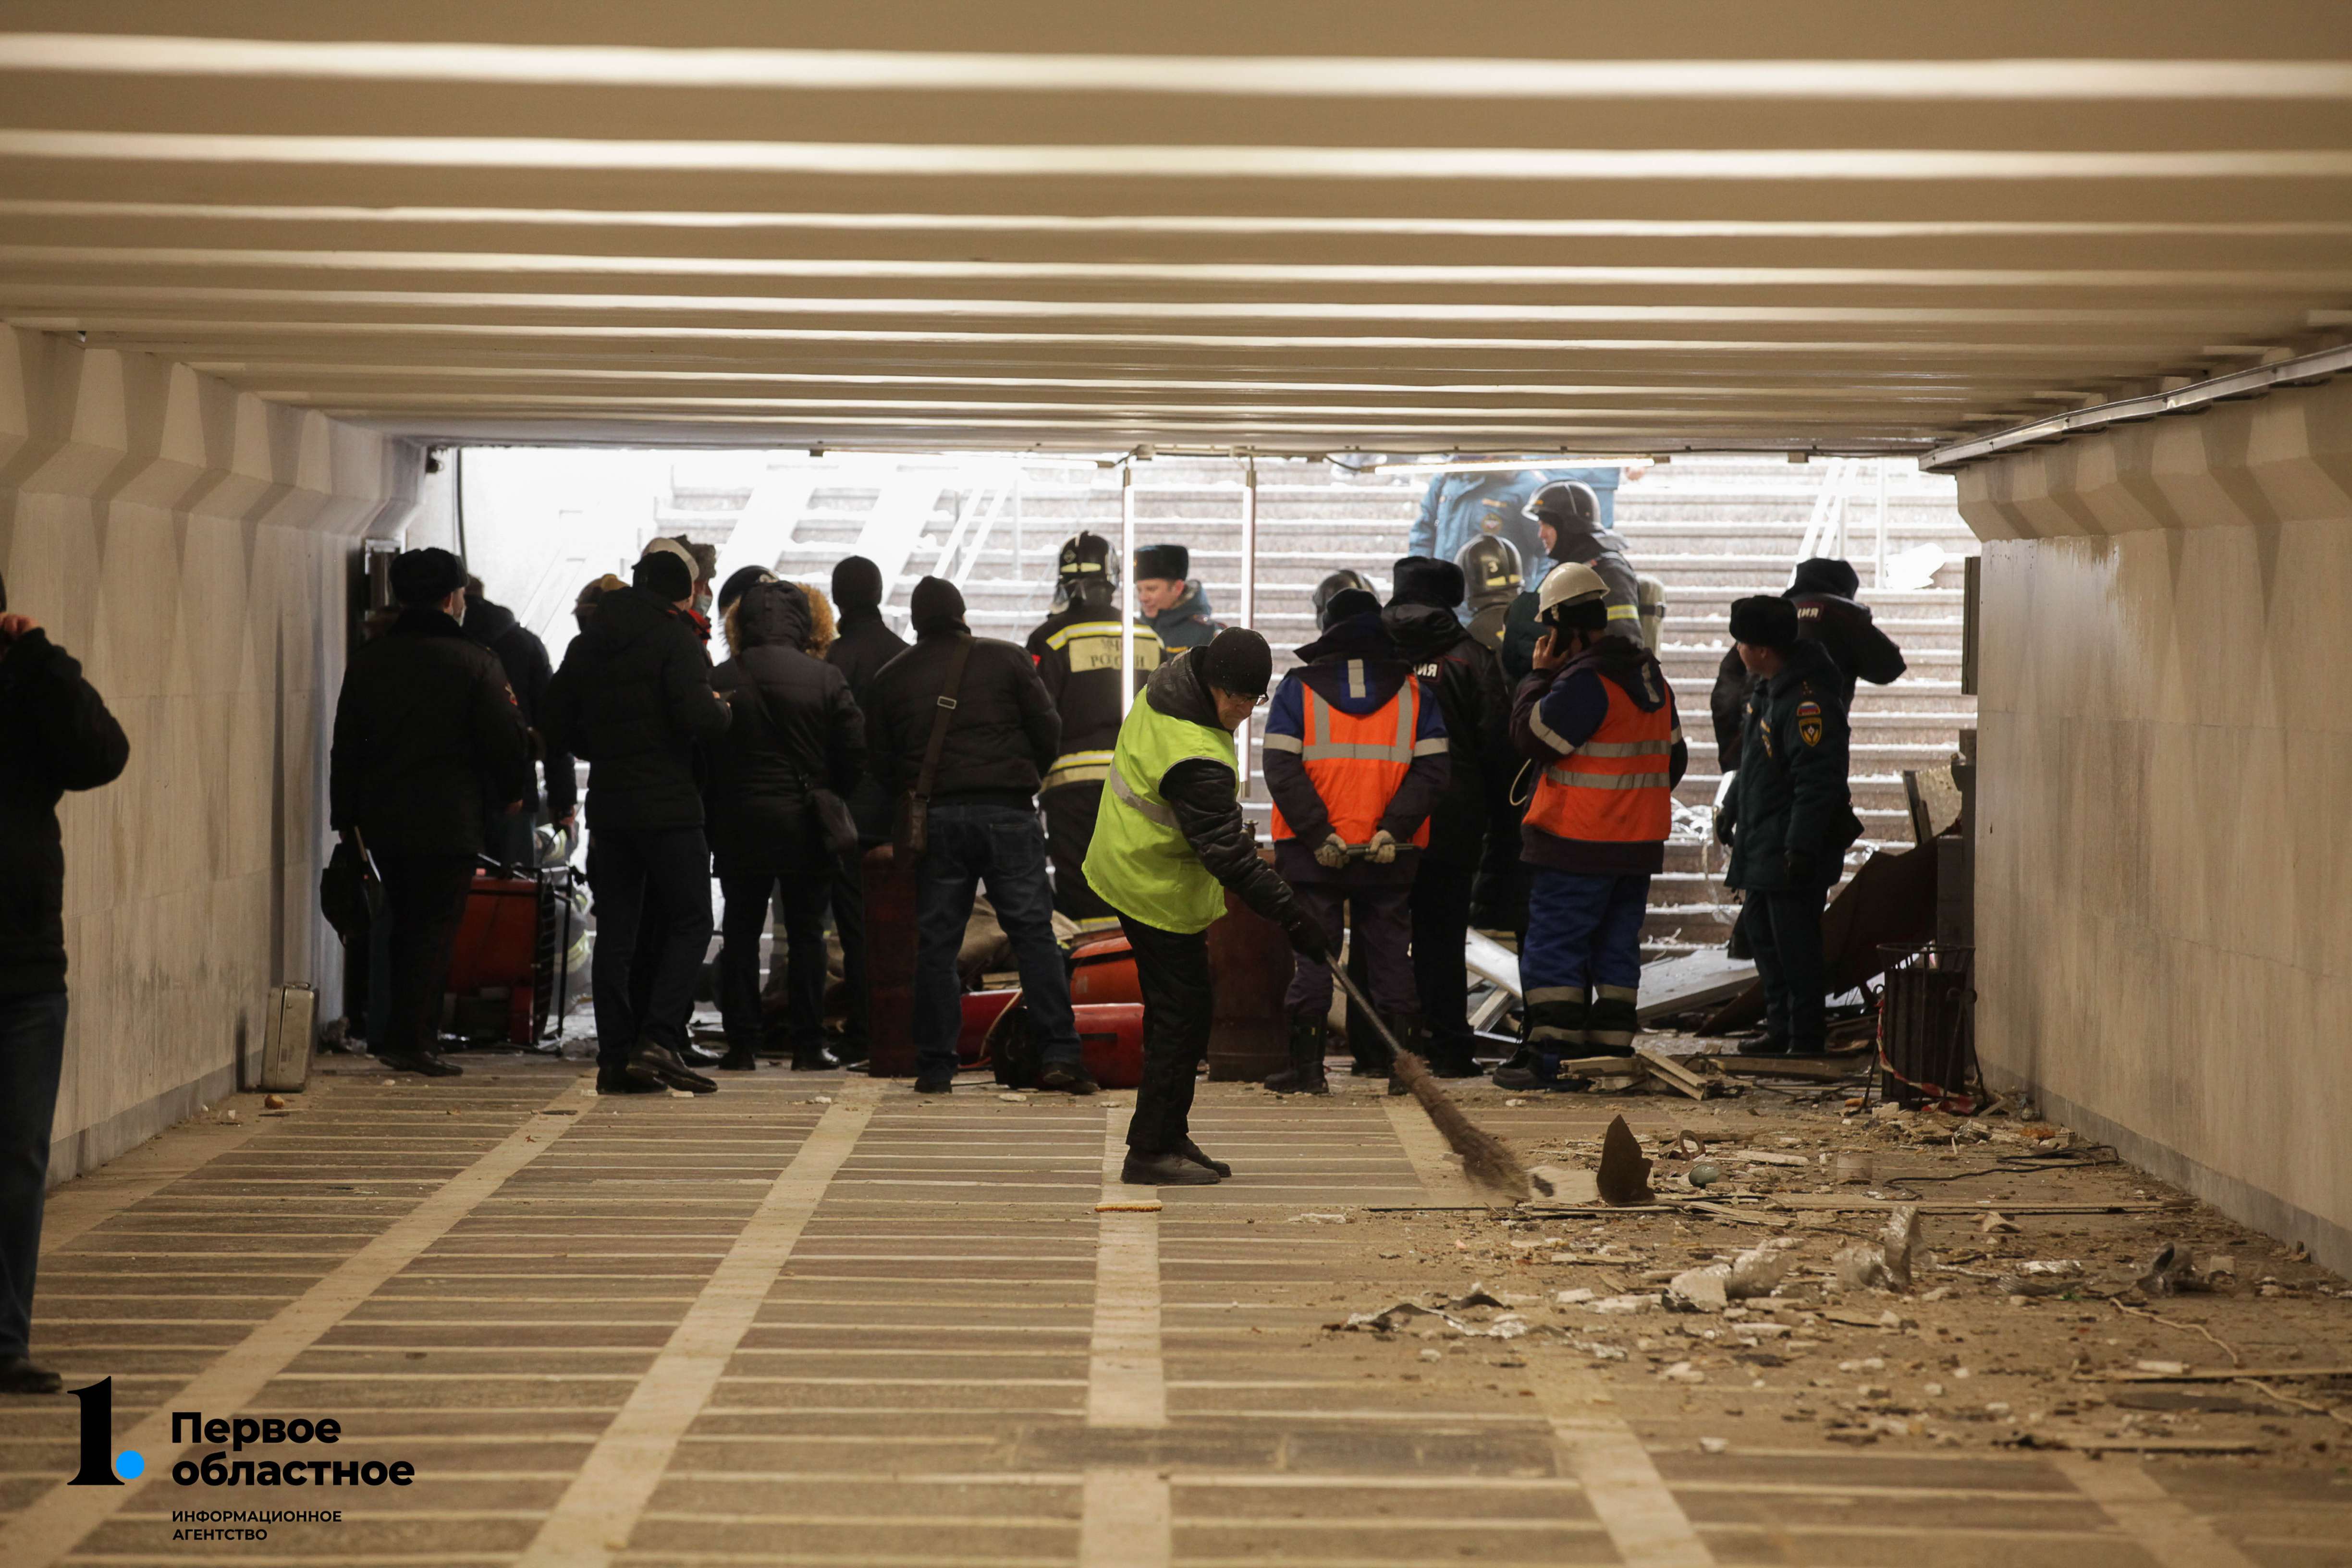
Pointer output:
856, 584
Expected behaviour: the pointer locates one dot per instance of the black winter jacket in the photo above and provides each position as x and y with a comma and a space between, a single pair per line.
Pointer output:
1791, 813
54, 735
795, 729
428, 739
524, 659
1077, 658
862, 644
1464, 677
1001, 736
1843, 627
1203, 796
633, 697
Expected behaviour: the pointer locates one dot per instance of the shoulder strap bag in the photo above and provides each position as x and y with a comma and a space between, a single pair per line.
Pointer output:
909, 830
835, 826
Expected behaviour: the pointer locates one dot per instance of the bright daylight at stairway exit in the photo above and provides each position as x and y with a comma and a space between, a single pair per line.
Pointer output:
1194, 785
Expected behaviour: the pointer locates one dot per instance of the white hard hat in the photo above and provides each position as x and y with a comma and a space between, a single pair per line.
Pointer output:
1567, 589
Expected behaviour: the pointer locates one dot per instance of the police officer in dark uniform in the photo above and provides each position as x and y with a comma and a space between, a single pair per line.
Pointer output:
1079, 658
1791, 817
1823, 591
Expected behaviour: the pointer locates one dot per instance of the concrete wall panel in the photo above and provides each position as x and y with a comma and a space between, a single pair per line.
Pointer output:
2165, 882
189, 544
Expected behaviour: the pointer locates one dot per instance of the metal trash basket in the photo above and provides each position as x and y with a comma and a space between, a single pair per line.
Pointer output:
1927, 1027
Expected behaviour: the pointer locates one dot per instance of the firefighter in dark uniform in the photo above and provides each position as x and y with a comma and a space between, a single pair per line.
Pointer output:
1077, 654
1791, 817
1491, 580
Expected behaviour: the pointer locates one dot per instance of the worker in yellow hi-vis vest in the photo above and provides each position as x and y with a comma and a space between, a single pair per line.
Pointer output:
1170, 841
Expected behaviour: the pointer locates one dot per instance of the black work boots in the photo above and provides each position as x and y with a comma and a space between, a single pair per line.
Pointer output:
1304, 1073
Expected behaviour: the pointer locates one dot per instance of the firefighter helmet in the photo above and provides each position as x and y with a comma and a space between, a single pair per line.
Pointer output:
1490, 571
1566, 503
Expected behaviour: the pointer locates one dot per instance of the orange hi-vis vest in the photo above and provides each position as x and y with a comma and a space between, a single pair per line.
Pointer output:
1357, 764
1616, 788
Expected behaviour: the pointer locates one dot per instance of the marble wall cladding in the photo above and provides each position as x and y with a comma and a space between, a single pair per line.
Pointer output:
190, 544
2164, 890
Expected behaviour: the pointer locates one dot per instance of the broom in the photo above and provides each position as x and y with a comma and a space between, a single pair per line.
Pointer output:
1485, 1159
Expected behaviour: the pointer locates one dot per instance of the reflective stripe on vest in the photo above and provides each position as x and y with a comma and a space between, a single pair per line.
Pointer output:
1140, 862
1357, 763
1076, 767
1615, 788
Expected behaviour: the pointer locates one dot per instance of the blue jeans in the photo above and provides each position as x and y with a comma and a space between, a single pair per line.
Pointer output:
623, 865
1581, 967
1006, 848
31, 1053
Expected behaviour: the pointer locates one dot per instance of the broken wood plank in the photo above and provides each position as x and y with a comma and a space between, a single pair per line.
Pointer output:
1814, 1069
1677, 1074
2228, 1375
2004, 1206
2086, 1443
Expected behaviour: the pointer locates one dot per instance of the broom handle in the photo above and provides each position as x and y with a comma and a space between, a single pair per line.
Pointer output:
1348, 984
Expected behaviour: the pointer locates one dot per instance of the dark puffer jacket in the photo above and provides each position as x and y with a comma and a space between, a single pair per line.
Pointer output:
428, 738
1462, 674
524, 659
1002, 737
54, 735
795, 729
633, 697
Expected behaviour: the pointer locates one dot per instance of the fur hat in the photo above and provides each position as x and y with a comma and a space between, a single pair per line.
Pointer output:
1765, 620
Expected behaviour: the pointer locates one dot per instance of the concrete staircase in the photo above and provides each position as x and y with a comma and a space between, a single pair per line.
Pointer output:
1711, 529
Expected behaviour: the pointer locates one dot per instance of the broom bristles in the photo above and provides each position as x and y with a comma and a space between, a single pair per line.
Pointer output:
1485, 1159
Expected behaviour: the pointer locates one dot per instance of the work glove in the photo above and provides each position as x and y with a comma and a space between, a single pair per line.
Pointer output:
1332, 852
1383, 849
1307, 938
1803, 872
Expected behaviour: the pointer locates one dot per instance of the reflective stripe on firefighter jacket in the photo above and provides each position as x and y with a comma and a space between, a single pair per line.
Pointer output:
1617, 788
1140, 863
1356, 764
1080, 663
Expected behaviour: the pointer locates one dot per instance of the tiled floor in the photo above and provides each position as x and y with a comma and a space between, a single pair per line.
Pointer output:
815, 1319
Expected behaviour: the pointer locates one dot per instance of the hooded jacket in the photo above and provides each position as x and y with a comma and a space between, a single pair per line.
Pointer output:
1207, 803
1462, 674
1081, 675
1792, 810
795, 729
1355, 667
427, 737
54, 735
1188, 622
524, 659
1555, 711
1823, 591
633, 697
1001, 736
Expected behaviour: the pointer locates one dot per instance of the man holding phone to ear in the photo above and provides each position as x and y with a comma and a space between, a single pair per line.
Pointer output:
1597, 716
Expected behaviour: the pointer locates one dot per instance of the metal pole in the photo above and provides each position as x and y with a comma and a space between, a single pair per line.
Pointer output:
1016, 521
1878, 579
1126, 585
1249, 599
